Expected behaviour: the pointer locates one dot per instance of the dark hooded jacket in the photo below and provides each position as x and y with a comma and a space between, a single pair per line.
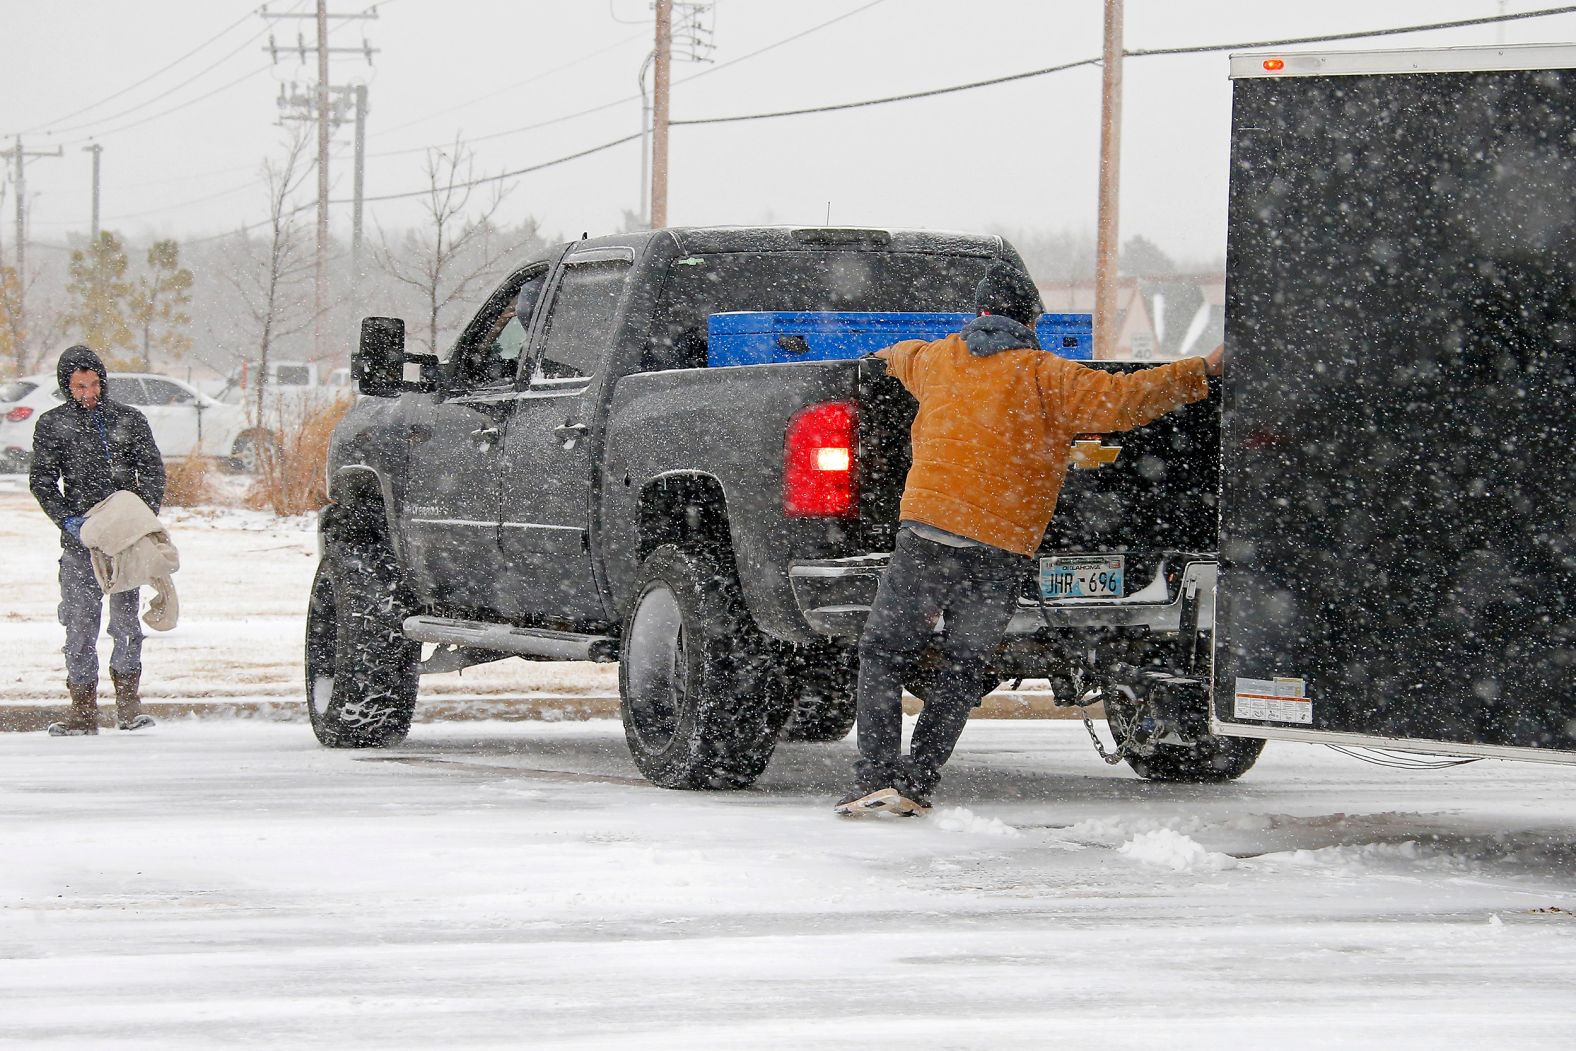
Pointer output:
997, 417
92, 453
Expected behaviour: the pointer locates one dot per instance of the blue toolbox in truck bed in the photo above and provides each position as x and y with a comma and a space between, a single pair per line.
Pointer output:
767, 337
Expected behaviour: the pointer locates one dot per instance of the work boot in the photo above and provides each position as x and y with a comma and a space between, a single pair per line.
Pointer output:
83, 717
128, 702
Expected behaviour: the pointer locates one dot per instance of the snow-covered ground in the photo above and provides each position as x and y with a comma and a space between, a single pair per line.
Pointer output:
243, 587
225, 882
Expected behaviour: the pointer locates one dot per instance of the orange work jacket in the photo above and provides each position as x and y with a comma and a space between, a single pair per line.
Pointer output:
994, 432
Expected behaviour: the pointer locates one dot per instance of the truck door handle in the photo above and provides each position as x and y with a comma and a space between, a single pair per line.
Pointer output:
485, 435
570, 432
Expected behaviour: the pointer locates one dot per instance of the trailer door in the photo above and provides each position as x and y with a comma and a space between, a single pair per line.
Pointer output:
1398, 526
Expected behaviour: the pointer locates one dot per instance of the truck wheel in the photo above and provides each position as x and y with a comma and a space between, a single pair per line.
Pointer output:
701, 692
361, 671
823, 687
1211, 760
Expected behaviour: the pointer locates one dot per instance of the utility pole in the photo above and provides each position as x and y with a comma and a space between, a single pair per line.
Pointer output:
19, 155
645, 143
687, 27
360, 183
662, 66
95, 149
320, 263
326, 122
1105, 273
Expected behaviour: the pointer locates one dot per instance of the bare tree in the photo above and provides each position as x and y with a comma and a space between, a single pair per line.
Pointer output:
270, 277
455, 251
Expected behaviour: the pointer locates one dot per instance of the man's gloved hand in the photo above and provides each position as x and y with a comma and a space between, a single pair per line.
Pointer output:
1215, 362
73, 525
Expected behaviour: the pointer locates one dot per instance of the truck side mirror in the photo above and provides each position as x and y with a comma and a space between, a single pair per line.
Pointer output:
379, 364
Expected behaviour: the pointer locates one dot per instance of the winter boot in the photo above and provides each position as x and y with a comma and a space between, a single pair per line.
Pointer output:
128, 702
83, 718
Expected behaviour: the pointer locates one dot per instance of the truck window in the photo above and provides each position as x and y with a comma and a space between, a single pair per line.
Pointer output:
493, 356
580, 320
699, 285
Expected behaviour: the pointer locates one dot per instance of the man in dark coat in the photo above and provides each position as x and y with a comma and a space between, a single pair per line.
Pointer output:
83, 451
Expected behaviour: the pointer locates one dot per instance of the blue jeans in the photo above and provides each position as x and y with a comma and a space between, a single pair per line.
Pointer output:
976, 588
82, 612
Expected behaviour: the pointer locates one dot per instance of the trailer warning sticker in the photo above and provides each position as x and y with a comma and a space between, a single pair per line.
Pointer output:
1278, 700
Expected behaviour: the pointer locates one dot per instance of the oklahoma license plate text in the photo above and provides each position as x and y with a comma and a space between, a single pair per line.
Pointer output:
1082, 576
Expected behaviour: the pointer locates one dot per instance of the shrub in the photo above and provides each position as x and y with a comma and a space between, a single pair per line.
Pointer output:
290, 476
186, 484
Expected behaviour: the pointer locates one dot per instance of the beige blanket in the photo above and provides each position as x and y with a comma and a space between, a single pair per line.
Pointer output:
130, 548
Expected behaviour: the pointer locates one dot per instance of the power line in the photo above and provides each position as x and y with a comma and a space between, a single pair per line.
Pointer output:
934, 92
164, 94
772, 47
510, 87
1137, 53
631, 98
1332, 37
506, 175
834, 107
206, 96
132, 87
974, 85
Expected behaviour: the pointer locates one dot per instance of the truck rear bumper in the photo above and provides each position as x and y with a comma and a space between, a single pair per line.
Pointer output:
834, 596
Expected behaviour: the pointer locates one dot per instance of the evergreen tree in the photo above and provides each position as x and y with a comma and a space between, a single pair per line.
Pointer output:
159, 302
13, 337
99, 297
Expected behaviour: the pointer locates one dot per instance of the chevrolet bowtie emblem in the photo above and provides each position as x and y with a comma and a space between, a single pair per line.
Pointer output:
1088, 453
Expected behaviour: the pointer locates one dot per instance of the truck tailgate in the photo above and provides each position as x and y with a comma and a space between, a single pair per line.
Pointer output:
1159, 492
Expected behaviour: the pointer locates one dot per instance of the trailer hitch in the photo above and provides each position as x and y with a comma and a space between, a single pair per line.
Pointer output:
1155, 708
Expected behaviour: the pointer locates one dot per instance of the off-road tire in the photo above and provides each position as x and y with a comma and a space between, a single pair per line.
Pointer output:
1212, 760
701, 689
361, 671
823, 686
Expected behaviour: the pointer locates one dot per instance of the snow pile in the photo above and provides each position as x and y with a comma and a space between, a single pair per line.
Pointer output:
1118, 829
1170, 849
960, 819
1357, 858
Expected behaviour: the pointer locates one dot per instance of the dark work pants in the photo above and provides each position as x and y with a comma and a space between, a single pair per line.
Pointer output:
976, 590
82, 612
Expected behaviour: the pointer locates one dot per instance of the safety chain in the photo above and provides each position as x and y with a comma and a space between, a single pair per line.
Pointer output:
1082, 704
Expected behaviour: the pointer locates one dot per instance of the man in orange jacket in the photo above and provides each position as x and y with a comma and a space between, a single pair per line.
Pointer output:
997, 416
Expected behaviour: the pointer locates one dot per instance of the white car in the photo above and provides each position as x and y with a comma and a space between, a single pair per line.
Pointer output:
185, 421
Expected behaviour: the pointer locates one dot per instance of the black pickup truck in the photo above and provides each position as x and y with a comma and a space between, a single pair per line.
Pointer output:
573, 483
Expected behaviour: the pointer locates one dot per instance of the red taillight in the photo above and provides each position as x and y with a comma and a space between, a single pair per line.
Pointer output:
18, 414
818, 462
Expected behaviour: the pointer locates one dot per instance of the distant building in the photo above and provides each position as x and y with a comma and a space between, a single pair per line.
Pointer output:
1159, 317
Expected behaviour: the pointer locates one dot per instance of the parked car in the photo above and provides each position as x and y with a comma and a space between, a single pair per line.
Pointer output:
185, 421
294, 389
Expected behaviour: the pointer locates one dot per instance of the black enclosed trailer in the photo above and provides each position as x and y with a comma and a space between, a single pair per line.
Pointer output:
1398, 518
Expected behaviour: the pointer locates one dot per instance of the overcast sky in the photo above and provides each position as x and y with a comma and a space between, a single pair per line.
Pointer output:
182, 96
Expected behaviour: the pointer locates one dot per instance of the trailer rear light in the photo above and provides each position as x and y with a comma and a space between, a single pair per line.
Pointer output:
1274, 65
818, 462
18, 414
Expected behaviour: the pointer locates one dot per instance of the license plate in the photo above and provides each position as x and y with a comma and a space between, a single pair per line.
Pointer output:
1082, 576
